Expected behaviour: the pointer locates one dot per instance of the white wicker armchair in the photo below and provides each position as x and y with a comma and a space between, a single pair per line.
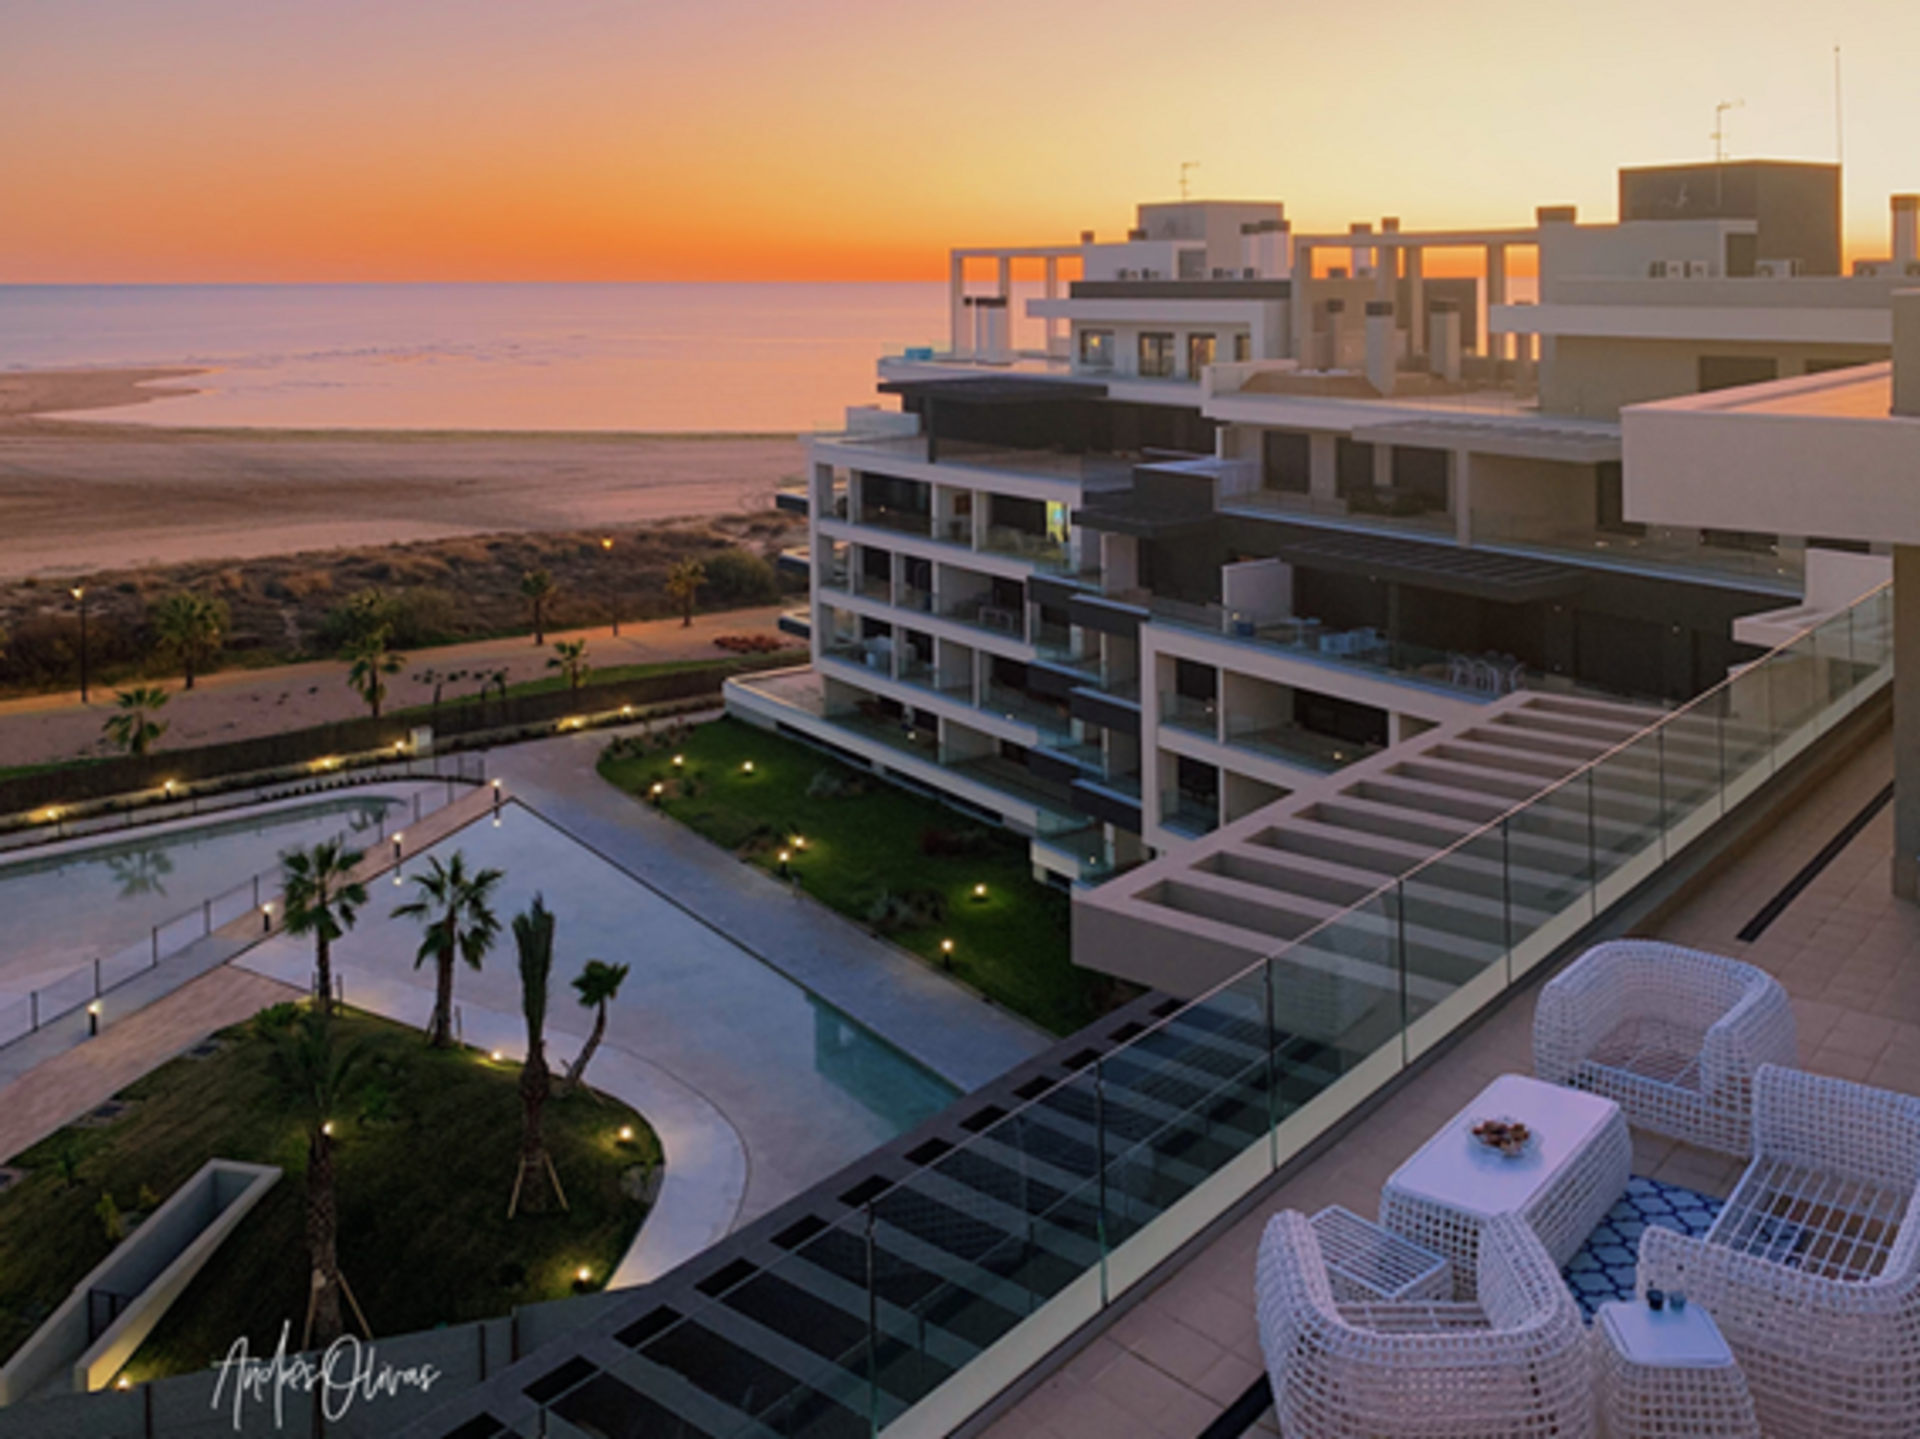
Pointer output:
1812, 1270
1671, 1035
1511, 1365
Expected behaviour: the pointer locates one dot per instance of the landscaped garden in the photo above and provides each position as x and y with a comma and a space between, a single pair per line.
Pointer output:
946, 886
425, 1145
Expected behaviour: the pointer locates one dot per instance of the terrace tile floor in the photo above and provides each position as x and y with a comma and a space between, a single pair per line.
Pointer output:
1846, 950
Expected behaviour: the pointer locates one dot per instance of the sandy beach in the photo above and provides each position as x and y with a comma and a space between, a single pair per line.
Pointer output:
79, 495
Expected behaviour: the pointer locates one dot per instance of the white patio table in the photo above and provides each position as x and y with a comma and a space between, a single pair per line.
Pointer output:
1574, 1170
1668, 1373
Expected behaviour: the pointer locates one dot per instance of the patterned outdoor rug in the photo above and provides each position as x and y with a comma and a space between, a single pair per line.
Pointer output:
1604, 1269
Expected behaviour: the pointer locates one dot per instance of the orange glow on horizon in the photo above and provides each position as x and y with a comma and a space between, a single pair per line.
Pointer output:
216, 140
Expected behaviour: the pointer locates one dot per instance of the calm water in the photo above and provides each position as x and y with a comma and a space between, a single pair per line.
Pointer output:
643, 357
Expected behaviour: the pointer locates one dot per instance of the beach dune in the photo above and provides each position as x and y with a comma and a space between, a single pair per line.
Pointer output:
84, 495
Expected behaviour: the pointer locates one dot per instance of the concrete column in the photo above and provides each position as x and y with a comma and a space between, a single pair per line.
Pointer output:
1056, 337
962, 339
1460, 495
1382, 466
1301, 302
1416, 263
1906, 353
1492, 345
1323, 454
1906, 721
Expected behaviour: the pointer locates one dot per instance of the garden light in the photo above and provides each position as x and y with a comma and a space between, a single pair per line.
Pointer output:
327, 1129
979, 891
747, 768
626, 1134
679, 760
497, 1056
582, 1274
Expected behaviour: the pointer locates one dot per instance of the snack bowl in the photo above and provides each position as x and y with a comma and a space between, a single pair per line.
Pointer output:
1507, 1137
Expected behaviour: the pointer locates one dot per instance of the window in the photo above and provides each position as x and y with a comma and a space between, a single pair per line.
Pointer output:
1156, 355
1286, 461
1096, 349
1199, 354
1726, 372
1242, 348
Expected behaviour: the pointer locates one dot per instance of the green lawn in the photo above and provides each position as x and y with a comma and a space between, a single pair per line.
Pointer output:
1011, 943
425, 1164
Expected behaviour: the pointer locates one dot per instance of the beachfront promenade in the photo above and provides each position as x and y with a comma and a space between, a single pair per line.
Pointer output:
243, 704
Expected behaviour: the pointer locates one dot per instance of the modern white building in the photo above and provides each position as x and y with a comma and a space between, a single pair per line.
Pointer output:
1261, 504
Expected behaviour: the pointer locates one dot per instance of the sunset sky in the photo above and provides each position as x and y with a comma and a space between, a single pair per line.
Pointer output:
207, 140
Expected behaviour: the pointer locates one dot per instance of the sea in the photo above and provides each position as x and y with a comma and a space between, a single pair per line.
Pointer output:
648, 358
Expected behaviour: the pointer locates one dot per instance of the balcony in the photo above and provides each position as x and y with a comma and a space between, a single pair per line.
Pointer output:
1648, 547
981, 613
1190, 713
1041, 551
1017, 705
1294, 745
1482, 676
902, 522
1188, 813
1389, 509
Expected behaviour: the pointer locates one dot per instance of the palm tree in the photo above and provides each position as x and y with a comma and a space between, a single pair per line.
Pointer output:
314, 1082
132, 726
533, 937
597, 986
190, 627
570, 658
536, 588
369, 662
684, 581
323, 899
460, 924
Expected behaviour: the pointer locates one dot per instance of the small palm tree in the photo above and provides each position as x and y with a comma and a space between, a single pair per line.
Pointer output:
314, 1081
456, 907
191, 628
684, 582
597, 985
533, 937
570, 658
369, 662
323, 899
132, 725
536, 588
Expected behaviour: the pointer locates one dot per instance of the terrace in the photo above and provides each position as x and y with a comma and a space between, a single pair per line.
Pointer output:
1847, 952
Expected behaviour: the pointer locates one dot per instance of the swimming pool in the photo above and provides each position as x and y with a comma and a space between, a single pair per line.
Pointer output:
94, 898
807, 1088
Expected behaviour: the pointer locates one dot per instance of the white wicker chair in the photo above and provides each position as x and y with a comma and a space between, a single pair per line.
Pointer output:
1671, 1035
1812, 1270
1512, 1365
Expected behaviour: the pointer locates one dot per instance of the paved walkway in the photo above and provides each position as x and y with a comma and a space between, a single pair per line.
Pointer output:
963, 1038
66, 1086
240, 704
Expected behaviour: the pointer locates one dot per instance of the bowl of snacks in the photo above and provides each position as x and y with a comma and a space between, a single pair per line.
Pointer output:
1508, 1138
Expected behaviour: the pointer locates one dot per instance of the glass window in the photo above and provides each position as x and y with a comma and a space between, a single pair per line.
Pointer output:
1242, 348
1156, 355
1096, 349
1199, 354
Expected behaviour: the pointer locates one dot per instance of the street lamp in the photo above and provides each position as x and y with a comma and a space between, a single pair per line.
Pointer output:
613, 586
80, 596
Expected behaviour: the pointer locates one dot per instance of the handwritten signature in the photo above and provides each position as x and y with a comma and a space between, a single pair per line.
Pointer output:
347, 1371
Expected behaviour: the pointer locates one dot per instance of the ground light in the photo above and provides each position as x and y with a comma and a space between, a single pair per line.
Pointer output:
799, 841
266, 917
93, 1019
979, 891
497, 1056
327, 1129
626, 1134
679, 760
946, 953
784, 857
747, 768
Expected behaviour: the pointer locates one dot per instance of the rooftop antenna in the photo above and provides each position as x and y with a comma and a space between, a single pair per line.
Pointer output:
1186, 165
1720, 143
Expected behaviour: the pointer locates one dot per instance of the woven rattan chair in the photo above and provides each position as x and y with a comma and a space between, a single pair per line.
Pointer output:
1511, 1365
1671, 1035
1812, 1271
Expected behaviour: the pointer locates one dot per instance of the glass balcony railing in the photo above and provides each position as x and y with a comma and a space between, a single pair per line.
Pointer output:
1483, 675
981, 613
1044, 551
1297, 746
1190, 814
912, 597
1017, 705
1190, 713
906, 522
944, 1286
1657, 547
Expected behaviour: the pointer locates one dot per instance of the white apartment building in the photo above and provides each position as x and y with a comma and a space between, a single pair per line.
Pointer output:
1261, 505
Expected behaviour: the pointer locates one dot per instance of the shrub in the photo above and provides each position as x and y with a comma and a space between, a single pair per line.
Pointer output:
275, 1017
751, 644
834, 784
894, 910
739, 578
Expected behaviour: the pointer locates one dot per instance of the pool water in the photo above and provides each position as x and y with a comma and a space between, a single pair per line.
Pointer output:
64, 910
